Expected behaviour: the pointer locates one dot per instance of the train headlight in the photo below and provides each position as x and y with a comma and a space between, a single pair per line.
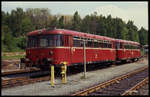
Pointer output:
49, 59
50, 52
27, 59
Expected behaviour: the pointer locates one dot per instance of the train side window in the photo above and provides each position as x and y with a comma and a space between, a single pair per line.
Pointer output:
90, 43
105, 43
96, 43
101, 43
118, 45
121, 46
76, 42
109, 45
59, 40
66, 40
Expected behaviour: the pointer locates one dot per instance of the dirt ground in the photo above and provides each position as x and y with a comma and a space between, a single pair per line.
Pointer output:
10, 64
12, 53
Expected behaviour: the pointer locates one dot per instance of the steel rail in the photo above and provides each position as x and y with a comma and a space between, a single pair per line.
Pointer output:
19, 71
22, 81
107, 83
134, 88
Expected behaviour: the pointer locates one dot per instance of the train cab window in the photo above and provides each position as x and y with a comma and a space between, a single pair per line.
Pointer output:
46, 40
43, 42
32, 42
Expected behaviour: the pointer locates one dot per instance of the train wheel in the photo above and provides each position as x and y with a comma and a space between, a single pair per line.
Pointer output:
133, 60
124, 61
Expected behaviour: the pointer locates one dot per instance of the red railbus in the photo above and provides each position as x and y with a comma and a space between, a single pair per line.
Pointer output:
55, 46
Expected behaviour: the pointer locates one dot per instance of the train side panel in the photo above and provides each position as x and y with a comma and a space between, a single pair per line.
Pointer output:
124, 54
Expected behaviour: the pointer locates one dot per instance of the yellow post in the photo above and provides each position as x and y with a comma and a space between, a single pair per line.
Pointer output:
52, 76
63, 72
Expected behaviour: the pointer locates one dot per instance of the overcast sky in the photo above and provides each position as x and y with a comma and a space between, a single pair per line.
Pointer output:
135, 11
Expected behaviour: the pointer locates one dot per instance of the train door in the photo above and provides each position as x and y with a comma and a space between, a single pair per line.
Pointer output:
67, 44
117, 45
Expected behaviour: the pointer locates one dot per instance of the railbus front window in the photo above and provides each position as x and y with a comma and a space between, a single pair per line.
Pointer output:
51, 41
43, 42
32, 42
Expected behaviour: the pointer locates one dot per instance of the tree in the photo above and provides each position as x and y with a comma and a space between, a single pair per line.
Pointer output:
132, 32
143, 36
85, 26
61, 22
101, 29
76, 22
9, 42
39, 17
54, 22
26, 26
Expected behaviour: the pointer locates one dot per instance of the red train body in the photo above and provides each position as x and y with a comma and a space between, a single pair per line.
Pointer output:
54, 46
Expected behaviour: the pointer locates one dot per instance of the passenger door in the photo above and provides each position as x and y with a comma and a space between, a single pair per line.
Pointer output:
67, 49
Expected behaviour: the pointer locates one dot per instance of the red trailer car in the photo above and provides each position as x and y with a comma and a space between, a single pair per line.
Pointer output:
127, 50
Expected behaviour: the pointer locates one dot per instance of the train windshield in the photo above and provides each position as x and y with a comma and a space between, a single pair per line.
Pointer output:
32, 42
46, 41
51, 41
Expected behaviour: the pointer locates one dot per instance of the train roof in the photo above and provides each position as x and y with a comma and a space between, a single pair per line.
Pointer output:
127, 41
78, 34
68, 32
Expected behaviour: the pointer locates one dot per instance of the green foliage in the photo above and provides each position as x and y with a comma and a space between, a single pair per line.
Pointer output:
143, 36
9, 42
61, 22
27, 26
18, 23
13, 57
76, 22
132, 31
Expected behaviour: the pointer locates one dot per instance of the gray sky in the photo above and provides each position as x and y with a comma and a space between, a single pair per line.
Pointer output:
135, 11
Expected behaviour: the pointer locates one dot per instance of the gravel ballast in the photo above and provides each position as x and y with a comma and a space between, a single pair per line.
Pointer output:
74, 82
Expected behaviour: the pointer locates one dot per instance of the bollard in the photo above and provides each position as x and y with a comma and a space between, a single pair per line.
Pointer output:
63, 72
52, 76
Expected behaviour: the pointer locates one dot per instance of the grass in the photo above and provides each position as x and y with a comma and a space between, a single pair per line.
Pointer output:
12, 57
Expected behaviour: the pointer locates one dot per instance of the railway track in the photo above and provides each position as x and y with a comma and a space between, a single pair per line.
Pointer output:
117, 86
22, 81
5, 73
134, 89
11, 82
